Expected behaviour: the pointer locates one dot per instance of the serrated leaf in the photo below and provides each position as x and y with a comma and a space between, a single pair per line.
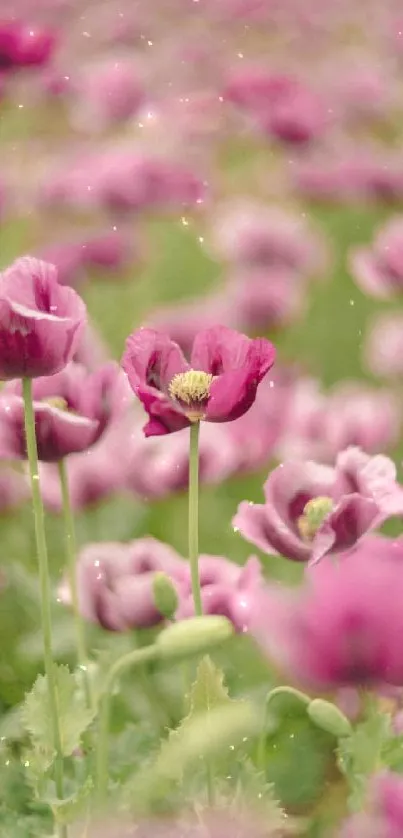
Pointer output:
68, 810
208, 690
74, 716
359, 755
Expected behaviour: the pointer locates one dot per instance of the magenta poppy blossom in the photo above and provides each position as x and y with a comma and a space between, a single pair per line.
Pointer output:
311, 509
72, 410
342, 627
40, 321
219, 385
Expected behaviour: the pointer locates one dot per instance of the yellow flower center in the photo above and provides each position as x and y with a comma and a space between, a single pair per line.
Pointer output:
191, 389
315, 512
58, 402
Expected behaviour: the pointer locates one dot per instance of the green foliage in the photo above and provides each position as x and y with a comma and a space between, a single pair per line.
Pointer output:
74, 716
360, 755
70, 808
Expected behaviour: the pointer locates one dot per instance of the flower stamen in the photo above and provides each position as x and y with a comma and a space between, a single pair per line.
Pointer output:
315, 512
191, 389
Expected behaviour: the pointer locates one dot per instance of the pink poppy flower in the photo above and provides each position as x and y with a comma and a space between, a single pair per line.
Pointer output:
219, 385
72, 410
378, 270
115, 582
312, 510
40, 321
342, 627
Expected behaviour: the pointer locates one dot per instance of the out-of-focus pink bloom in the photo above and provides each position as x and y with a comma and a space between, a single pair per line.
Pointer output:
282, 105
106, 93
115, 582
183, 321
128, 181
342, 627
361, 88
93, 475
14, 488
111, 250
312, 510
251, 234
40, 322
227, 590
219, 385
320, 425
379, 270
358, 415
302, 436
24, 45
383, 815
383, 350
350, 176
159, 467
72, 410
68, 259
257, 435
91, 352
265, 298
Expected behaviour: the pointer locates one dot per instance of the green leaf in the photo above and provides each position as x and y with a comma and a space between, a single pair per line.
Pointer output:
208, 690
74, 716
68, 810
360, 754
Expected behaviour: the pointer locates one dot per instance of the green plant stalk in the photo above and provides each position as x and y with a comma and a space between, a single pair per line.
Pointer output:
131, 660
194, 554
45, 589
194, 515
71, 556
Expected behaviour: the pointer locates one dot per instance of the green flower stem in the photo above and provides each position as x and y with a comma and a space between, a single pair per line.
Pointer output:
43, 567
71, 553
131, 660
194, 515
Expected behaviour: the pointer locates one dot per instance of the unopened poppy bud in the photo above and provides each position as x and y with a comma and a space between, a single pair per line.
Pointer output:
327, 716
194, 635
165, 596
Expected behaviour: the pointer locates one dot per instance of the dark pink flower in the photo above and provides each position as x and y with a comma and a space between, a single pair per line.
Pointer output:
110, 250
383, 815
24, 45
40, 321
115, 582
342, 627
72, 410
379, 270
311, 509
219, 385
